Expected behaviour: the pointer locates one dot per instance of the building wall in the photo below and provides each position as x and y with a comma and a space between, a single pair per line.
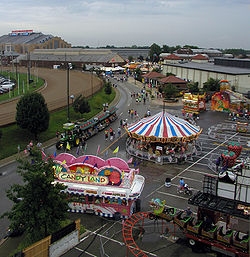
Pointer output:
241, 82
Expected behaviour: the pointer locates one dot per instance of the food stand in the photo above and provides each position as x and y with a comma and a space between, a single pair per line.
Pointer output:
106, 188
193, 103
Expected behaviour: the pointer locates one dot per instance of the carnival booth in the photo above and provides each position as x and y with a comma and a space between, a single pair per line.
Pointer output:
162, 138
194, 103
106, 188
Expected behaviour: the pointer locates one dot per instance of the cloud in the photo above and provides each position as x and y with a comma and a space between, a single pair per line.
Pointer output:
140, 22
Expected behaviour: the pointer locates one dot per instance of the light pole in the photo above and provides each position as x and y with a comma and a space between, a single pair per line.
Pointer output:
69, 66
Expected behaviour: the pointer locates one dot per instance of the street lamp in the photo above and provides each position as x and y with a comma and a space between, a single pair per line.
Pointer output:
69, 67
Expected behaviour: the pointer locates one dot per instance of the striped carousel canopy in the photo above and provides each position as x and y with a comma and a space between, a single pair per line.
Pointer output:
163, 126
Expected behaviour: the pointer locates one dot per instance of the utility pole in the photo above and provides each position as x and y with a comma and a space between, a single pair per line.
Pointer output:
68, 92
16, 68
28, 57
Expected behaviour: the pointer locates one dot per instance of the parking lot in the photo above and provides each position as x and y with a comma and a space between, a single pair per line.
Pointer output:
105, 238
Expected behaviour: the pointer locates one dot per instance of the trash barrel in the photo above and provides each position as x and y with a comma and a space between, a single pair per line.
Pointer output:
168, 182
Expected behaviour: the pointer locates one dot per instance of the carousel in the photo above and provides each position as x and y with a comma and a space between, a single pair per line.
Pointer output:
163, 138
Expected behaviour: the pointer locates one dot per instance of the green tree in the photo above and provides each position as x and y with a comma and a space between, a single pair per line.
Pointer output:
235, 51
81, 105
140, 58
1, 133
84, 67
170, 91
130, 58
108, 88
170, 74
193, 87
38, 205
154, 53
138, 74
32, 113
165, 49
212, 85
191, 47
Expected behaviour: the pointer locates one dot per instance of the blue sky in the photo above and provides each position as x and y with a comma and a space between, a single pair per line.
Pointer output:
206, 23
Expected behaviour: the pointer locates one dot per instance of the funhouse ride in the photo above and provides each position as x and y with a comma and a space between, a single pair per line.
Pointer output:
105, 188
75, 133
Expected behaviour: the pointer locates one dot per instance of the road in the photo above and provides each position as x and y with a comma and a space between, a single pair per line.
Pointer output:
106, 233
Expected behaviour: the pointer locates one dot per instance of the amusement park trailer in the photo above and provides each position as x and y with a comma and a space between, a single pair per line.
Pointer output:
224, 207
74, 133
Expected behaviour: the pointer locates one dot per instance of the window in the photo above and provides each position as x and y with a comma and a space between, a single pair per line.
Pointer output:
90, 199
98, 200
56, 43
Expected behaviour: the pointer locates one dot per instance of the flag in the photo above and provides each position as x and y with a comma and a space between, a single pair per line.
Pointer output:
86, 158
64, 162
134, 164
116, 149
68, 146
137, 171
85, 147
123, 174
77, 151
130, 160
55, 154
106, 153
43, 154
98, 149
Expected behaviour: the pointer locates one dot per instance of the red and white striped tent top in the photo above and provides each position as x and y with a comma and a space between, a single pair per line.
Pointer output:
163, 126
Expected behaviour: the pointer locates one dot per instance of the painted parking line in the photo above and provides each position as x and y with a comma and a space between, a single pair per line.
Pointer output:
194, 163
172, 195
200, 172
113, 143
88, 253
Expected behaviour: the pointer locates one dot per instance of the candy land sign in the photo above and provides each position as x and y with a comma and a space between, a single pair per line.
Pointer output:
87, 174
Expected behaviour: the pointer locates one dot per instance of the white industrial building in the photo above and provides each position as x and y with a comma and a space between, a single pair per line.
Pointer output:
201, 72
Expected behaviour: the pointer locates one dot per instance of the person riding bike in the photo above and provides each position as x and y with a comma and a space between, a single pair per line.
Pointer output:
182, 183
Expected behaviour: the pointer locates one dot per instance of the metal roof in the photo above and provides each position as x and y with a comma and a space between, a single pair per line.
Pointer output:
211, 67
91, 58
33, 38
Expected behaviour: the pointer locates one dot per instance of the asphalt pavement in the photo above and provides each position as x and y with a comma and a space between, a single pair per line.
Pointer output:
105, 235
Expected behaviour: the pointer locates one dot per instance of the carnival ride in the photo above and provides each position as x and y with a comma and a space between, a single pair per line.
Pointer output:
228, 101
103, 187
74, 133
163, 138
221, 223
193, 103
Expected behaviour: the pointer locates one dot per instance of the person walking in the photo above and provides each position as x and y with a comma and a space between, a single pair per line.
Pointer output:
111, 133
106, 134
119, 131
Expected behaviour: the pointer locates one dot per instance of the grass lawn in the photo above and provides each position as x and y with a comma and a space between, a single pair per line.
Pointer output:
23, 86
27, 241
12, 135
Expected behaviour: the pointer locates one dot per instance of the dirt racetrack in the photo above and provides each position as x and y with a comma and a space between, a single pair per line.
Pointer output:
55, 93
